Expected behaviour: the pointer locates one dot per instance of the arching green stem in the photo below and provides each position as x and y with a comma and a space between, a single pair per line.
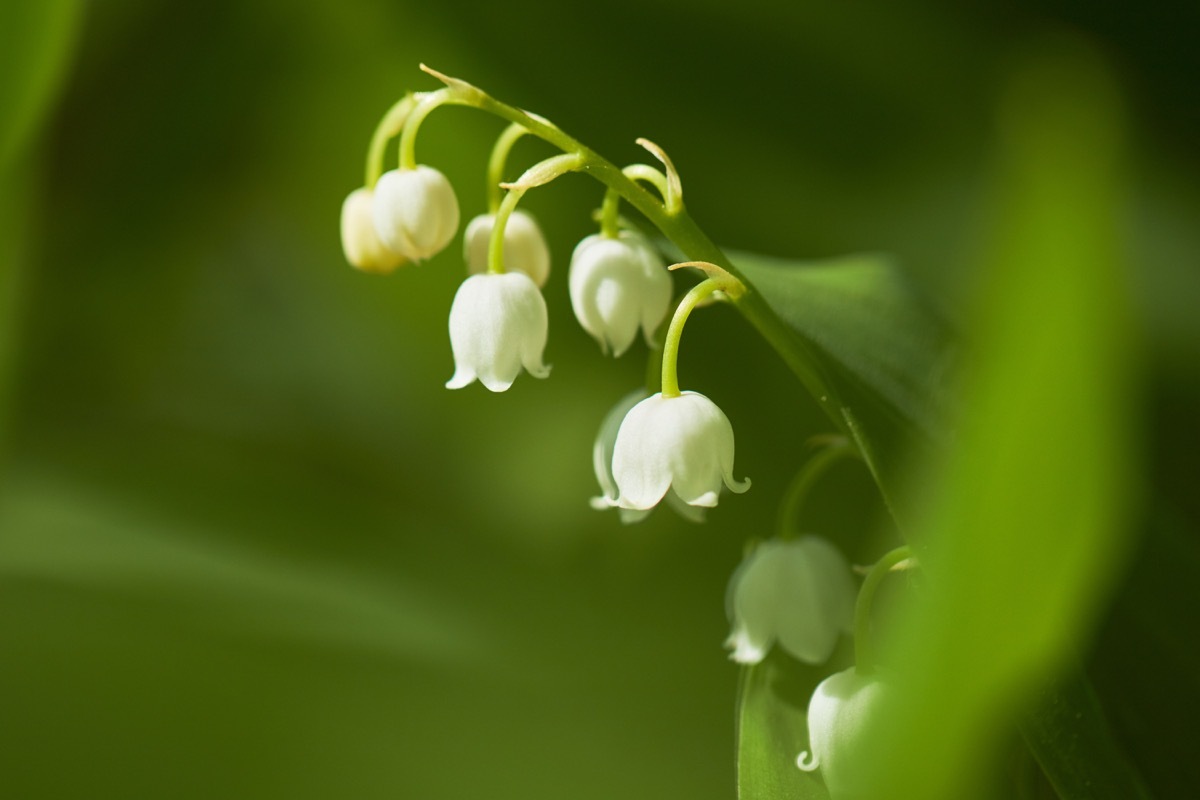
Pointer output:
610, 226
496, 243
670, 378
408, 137
495, 172
864, 649
839, 447
390, 125
679, 227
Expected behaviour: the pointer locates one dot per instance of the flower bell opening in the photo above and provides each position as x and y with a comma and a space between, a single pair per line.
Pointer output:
682, 443
618, 286
498, 324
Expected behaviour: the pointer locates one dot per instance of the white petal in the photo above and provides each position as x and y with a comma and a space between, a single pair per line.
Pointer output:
745, 649
753, 599
360, 242
703, 439
608, 281
602, 448
525, 248
497, 324
415, 211
803, 625
641, 466
841, 709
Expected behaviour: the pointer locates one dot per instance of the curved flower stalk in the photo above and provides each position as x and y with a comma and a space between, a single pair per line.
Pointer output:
525, 248
797, 592
498, 324
415, 211
602, 455
361, 244
618, 285
682, 444
841, 708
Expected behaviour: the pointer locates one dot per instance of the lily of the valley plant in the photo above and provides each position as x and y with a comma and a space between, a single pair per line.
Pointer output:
659, 443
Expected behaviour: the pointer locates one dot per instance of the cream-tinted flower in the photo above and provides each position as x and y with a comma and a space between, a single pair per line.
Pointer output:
525, 248
797, 592
497, 325
682, 443
841, 709
602, 454
415, 211
361, 244
618, 285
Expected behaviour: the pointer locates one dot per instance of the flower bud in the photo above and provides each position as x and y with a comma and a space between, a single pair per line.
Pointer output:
798, 592
841, 709
415, 211
498, 324
525, 248
617, 285
360, 242
682, 443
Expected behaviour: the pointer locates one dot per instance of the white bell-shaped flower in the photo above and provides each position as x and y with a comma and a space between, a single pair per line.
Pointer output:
841, 709
682, 443
602, 453
618, 285
525, 248
415, 211
361, 244
498, 324
798, 592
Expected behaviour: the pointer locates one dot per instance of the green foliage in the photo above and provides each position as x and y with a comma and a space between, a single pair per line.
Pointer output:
1027, 518
38, 36
771, 731
869, 323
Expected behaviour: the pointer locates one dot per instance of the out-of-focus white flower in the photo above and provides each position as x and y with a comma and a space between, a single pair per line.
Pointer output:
361, 244
415, 211
618, 285
525, 248
602, 453
497, 325
841, 708
682, 443
798, 592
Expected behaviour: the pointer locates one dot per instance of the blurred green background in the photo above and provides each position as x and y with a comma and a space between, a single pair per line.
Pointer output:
249, 544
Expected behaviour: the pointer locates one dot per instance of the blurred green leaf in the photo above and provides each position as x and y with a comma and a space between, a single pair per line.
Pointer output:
1026, 518
772, 731
57, 534
862, 314
37, 37
881, 345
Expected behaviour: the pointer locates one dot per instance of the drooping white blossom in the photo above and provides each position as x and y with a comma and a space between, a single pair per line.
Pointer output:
841, 709
617, 286
525, 248
602, 455
682, 443
361, 244
415, 211
797, 592
498, 325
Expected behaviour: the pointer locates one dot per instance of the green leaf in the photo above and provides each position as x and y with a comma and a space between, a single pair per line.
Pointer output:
772, 731
1025, 524
78, 539
867, 321
37, 40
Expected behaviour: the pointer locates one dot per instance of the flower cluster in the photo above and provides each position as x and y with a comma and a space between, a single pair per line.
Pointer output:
667, 445
674, 445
